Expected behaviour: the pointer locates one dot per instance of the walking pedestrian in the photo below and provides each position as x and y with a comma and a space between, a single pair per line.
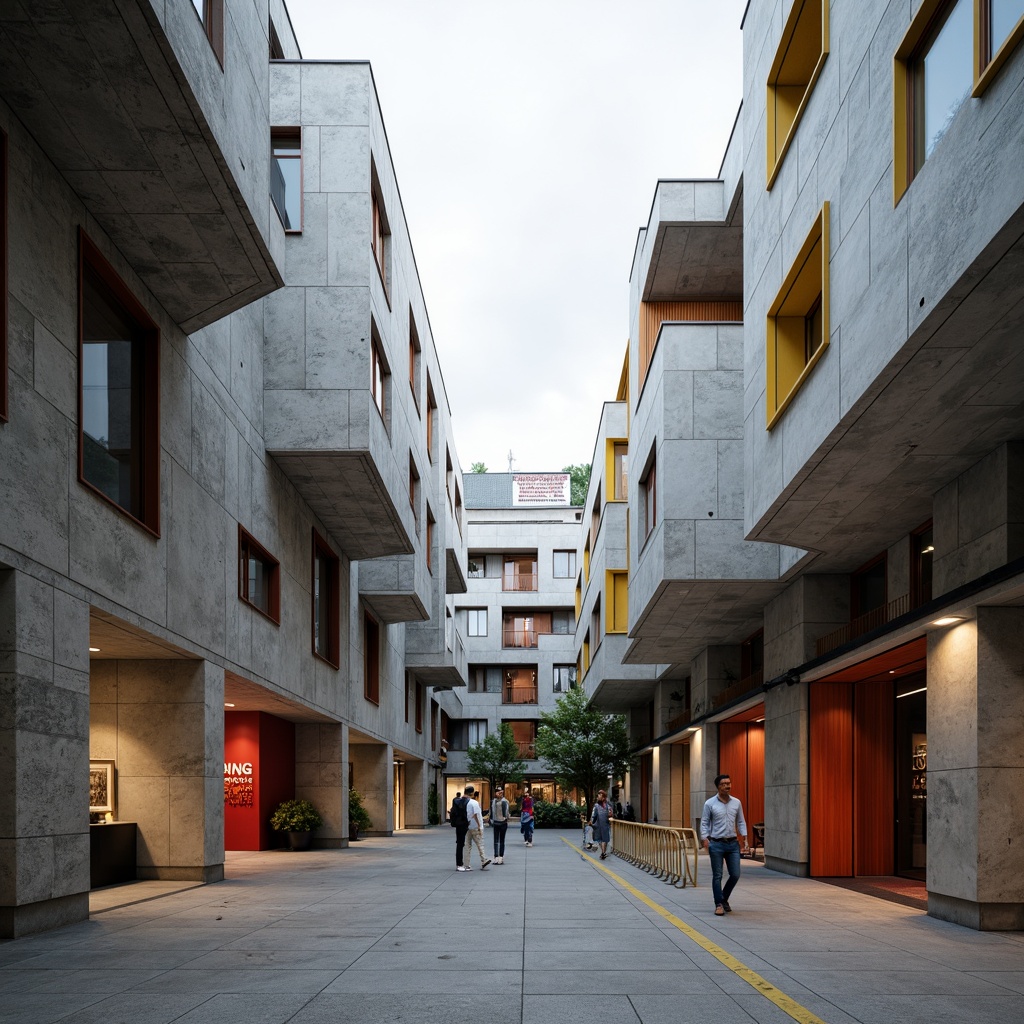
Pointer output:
601, 817
526, 819
499, 824
475, 833
459, 820
722, 826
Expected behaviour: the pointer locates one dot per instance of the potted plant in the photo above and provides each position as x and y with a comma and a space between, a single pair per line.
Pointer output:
358, 816
298, 818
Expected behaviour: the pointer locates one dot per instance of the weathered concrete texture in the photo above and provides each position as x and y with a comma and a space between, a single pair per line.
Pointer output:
373, 779
787, 833
810, 607
321, 770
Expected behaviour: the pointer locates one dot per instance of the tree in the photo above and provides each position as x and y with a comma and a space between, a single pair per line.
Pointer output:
478, 467
583, 746
497, 758
579, 481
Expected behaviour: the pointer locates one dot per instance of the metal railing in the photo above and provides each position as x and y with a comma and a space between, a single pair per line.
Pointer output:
668, 853
527, 749
520, 581
519, 694
745, 685
862, 624
518, 637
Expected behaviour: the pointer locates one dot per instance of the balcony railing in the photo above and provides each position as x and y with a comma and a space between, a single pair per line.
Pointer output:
519, 637
521, 581
680, 721
745, 685
527, 749
862, 624
520, 694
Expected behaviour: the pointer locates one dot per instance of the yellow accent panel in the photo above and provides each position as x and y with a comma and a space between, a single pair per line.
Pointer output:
586, 563
616, 586
798, 62
787, 363
762, 986
579, 601
611, 482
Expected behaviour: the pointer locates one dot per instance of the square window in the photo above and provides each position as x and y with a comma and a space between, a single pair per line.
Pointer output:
563, 565
798, 322
564, 678
259, 577
371, 659
798, 62
286, 176
477, 566
476, 622
119, 392
326, 587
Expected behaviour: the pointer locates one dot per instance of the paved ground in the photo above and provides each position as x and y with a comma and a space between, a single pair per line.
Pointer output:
388, 931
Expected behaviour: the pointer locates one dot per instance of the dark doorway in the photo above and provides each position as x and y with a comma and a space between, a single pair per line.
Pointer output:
911, 778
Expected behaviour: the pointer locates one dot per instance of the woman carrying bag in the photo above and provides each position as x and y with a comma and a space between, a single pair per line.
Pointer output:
601, 818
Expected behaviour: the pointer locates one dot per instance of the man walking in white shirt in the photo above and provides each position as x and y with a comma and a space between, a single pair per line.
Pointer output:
476, 830
721, 827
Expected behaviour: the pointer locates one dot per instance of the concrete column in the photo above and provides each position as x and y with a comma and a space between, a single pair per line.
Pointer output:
44, 756
976, 771
321, 774
809, 608
374, 781
786, 767
417, 778
163, 723
703, 768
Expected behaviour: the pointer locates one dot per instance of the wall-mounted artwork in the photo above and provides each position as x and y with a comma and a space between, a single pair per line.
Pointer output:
101, 787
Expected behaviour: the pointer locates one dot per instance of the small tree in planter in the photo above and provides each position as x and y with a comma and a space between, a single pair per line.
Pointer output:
298, 818
358, 816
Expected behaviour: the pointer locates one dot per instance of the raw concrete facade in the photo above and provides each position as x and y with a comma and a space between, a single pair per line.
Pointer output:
125, 641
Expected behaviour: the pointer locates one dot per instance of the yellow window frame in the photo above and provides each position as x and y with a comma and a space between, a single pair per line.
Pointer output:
616, 585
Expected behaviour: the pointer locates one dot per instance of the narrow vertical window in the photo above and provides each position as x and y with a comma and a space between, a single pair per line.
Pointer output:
286, 176
419, 707
3, 277
476, 622
276, 49
431, 419
620, 471
119, 392
371, 659
922, 549
379, 378
414, 494
431, 524
649, 498
379, 235
414, 360
211, 14
326, 601
259, 577
408, 694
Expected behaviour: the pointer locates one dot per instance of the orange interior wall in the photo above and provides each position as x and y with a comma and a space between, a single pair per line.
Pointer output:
831, 779
874, 793
741, 754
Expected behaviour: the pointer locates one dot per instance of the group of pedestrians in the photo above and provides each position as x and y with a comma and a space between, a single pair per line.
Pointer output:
466, 817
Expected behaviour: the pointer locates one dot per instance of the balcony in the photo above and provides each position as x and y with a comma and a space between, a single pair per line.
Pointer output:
520, 582
865, 623
519, 693
511, 637
527, 750
752, 682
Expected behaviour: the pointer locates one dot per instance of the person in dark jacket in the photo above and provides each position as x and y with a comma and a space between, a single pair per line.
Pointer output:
601, 817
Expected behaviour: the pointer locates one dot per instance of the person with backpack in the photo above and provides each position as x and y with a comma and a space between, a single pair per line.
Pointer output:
459, 820
475, 832
499, 822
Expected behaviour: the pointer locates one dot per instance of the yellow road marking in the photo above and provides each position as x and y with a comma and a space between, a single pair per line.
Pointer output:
785, 1003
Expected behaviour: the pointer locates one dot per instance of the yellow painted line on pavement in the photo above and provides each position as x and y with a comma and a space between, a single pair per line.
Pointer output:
785, 1003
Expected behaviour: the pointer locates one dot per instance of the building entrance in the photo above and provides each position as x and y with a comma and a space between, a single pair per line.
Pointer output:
911, 779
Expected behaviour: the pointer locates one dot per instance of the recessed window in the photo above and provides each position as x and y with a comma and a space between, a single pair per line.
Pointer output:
798, 62
564, 678
649, 497
380, 234
259, 576
476, 622
563, 564
414, 493
619, 470
371, 658
118, 427
380, 377
922, 551
419, 707
414, 360
326, 601
211, 14
431, 528
798, 323
276, 49
596, 630
477, 566
3, 277
431, 419
286, 176
617, 587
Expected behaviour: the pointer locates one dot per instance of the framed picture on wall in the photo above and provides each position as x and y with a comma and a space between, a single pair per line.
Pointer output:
101, 787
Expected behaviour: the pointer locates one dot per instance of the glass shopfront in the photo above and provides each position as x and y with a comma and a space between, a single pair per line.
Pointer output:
911, 779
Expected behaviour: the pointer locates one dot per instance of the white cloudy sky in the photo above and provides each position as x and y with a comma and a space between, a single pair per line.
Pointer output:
528, 139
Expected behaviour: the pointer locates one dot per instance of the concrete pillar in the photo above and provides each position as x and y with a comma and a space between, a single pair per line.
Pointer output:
321, 774
374, 781
786, 767
713, 670
417, 778
976, 771
809, 608
163, 723
44, 756
703, 768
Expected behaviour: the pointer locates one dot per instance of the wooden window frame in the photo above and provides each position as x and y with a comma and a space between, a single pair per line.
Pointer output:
804, 291
803, 49
649, 497
415, 358
212, 20
380, 232
431, 531
145, 457
290, 134
371, 658
380, 377
249, 547
431, 418
322, 550
618, 483
4, 369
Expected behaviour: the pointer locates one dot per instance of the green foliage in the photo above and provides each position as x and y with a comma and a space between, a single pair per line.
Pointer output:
478, 467
583, 746
357, 813
433, 814
561, 815
497, 758
579, 481
295, 816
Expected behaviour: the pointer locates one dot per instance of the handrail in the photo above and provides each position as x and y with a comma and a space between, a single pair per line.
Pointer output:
668, 853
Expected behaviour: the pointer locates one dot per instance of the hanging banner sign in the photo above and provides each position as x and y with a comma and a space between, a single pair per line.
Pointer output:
540, 489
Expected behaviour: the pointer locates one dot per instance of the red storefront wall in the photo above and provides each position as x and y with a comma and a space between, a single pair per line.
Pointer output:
266, 744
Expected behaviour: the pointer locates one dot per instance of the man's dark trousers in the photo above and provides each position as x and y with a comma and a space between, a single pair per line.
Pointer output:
460, 842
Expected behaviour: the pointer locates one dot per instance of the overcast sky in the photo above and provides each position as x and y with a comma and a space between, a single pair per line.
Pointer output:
528, 139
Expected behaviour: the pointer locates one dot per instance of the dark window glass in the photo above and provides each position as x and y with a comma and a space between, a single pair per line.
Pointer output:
923, 549
3, 277
813, 331
286, 177
868, 588
326, 579
258, 576
371, 659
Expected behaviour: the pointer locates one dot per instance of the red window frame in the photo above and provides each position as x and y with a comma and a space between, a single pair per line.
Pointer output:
371, 659
250, 547
331, 648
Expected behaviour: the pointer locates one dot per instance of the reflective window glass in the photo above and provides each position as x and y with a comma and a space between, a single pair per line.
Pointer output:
946, 76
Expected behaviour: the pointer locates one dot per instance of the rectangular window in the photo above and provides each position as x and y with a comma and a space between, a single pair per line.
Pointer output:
922, 550
1001, 28
414, 493
596, 625
211, 14
408, 694
286, 176
649, 498
431, 524
276, 49
433, 724
617, 588
525, 736
3, 277
477, 679
586, 560
620, 471
326, 601
259, 576
414, 360
379, 234
564, 678
458, 509
595, 520
520, 685
371, 659
752, 657
476, 622
563, 565
519, 631
519, 573
119, 391
431, 419
868, 589
563, 621
477, 566
798, 320
419, 707
476, 732
798, 61
380, 377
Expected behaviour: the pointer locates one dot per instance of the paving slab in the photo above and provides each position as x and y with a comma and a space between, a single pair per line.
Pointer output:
388, 931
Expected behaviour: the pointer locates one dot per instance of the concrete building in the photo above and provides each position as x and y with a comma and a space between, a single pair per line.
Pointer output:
518, 617
232, 522
826, 397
